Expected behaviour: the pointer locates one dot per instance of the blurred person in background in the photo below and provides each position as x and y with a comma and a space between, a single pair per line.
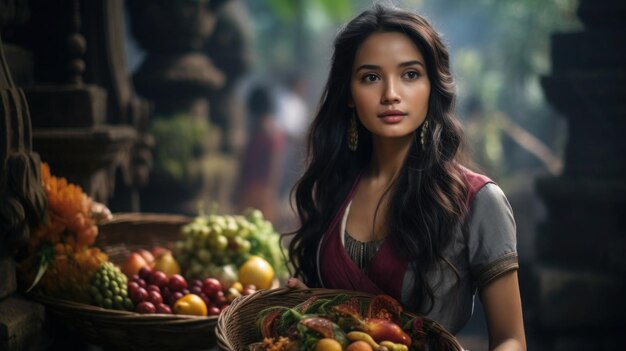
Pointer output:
385, 204
261, 165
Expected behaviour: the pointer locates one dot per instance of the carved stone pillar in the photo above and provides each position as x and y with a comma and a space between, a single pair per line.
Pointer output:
176, 74
581, 248
87, 122
179, 77
230, 47
22, 199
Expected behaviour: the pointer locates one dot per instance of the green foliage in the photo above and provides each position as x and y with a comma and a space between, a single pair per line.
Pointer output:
284, 9
288, 10
180, 141
339, 10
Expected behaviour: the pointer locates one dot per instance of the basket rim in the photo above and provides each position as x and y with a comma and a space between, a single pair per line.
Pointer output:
224, 343
130, 217
126, 316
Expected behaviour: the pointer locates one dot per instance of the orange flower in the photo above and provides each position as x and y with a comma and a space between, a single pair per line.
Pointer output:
64, 240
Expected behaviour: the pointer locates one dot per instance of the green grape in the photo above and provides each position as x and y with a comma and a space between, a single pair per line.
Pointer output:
107, 303
204, 256
216, 230
108, 287
128, 304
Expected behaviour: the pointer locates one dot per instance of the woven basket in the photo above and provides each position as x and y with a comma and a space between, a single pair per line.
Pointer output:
122, 330
236, 326
128, 232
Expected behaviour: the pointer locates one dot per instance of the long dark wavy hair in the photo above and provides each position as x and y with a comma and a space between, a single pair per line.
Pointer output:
427, 198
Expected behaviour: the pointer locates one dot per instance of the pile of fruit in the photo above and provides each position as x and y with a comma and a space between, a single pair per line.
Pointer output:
341, 323
155, 286
216, 245
217, 259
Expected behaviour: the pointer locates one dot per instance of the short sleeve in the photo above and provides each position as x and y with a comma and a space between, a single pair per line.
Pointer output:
491, 237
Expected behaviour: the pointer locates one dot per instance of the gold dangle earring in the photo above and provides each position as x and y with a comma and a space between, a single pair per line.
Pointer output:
353, 133
423, 134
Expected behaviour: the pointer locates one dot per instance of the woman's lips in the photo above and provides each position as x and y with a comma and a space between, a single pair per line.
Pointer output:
392, 116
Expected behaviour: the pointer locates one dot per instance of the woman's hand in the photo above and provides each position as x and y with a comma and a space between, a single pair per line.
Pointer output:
295, 283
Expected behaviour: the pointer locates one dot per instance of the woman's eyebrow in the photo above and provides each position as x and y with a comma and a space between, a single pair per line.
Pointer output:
366, 66
402, 64
411, 63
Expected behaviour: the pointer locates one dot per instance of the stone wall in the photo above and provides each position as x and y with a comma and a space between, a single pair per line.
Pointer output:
581, 248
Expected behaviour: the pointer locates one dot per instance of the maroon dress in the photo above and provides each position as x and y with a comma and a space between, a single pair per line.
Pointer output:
478, 257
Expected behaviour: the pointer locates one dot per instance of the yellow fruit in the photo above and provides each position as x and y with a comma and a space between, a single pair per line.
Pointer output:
328, 344
237, 286
166, 264
359, 346
190, 304
258, 272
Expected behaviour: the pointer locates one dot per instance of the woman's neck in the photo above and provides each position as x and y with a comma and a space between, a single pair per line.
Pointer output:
388, 155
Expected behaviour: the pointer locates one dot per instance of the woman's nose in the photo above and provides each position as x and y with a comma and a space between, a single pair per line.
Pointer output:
390, 94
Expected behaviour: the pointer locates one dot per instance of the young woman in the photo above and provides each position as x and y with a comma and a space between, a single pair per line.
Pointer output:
384, 204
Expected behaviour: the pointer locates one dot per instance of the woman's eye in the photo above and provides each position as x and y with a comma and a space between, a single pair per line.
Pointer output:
411, 75
370, 78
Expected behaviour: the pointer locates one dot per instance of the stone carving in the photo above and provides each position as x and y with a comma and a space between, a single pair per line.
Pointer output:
87, 122
176, 74
196, 51
22, 198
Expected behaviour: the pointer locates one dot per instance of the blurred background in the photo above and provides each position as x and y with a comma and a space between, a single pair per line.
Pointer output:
204, 105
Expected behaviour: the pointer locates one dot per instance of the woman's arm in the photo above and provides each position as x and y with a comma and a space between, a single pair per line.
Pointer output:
503, 311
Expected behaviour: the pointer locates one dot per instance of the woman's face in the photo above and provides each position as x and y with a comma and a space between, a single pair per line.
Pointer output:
389, 85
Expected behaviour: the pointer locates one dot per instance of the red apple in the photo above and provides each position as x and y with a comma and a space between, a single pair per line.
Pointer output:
158, 251
177, 283
163, 308
205, 298
166, 292
158, 278
139, 295
133, 264
132, 286
145, 307
147, 255
219, 298
174, 297
144, 273
155, 297
213, 311
210, 286
153, 287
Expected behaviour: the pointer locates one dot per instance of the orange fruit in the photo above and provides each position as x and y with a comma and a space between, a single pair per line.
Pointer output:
256, 271
328, 344
190, 304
